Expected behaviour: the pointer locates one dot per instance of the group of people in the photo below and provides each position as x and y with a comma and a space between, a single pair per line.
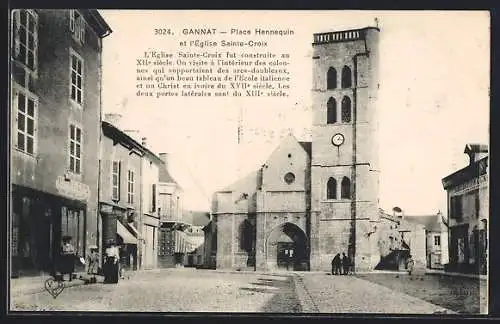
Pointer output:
69, 257
341, 265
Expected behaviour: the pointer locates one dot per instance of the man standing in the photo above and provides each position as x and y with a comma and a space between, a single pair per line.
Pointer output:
336, 262
345, 264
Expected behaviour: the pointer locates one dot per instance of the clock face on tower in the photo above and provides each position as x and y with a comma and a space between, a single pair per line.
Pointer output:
338, 139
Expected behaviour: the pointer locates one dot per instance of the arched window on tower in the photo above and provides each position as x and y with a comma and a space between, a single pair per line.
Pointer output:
331, 108
346, 77
331, 78
331, 189
346, 110
345, 188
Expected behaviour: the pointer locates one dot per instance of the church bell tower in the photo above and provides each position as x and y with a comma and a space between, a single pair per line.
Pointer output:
344, 165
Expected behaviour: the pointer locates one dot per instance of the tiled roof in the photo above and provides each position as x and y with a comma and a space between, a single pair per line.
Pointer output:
430, 222
197, 218
165, 175
247, 184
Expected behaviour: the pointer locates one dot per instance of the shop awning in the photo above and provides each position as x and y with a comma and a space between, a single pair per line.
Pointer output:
125, 234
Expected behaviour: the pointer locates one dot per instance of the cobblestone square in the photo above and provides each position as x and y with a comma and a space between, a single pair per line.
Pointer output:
190, 290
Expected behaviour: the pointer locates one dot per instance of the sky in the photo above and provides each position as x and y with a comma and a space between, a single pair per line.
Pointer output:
433, 97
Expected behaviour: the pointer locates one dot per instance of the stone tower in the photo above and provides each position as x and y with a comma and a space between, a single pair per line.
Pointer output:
344, 165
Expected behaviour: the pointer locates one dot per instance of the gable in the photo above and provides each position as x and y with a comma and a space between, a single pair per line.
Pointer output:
289, 158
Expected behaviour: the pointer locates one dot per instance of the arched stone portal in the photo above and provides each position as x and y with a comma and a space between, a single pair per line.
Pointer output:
286, 248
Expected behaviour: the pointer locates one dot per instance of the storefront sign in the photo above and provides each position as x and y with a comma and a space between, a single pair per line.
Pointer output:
471, 184
72, 189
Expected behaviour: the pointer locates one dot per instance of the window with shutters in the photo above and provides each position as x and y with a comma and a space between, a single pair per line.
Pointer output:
115, 174
77, 26
76, 78
26, 106
130, 187
25, 37
75, 149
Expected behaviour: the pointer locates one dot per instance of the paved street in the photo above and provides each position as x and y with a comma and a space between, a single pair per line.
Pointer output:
175, 290
348, 294
190, 290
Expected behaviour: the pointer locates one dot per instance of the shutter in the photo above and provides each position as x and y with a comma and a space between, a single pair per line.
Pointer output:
153, 197
119, 179
17, 27
82, 31
35, 39
72, 20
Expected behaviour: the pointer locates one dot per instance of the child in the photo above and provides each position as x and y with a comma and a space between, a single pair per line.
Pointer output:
409, 264
93, 262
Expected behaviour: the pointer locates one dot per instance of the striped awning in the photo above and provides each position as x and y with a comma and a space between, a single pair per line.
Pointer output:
128, 238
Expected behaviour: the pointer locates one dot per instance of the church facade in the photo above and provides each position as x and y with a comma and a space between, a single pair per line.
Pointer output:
312, 200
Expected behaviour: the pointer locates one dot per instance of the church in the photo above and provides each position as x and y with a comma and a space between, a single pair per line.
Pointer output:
312, 200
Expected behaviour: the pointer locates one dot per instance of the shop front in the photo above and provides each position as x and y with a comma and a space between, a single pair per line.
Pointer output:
39, 221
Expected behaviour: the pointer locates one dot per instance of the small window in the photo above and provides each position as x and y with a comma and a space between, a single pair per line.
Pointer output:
346, 110
75, 149
289, 178
345, 188
331, 189
437, 240
331, 108
346, 77
331, 78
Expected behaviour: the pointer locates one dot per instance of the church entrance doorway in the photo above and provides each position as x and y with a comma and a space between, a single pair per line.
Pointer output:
287, 248
286, 255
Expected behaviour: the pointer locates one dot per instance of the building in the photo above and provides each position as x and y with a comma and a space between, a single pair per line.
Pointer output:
172, 237
312, 200
436, 238
120, 190
398, 239
196, 235
151, 165
468, 213
55, 116
210, 245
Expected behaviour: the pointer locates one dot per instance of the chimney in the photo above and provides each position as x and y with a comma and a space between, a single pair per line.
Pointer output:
134, 134
164, 158
144, 142
114, 119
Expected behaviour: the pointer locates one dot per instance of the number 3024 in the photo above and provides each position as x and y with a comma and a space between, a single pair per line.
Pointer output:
162, 31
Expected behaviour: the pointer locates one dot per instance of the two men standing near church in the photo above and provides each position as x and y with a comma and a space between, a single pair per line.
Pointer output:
341, 265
